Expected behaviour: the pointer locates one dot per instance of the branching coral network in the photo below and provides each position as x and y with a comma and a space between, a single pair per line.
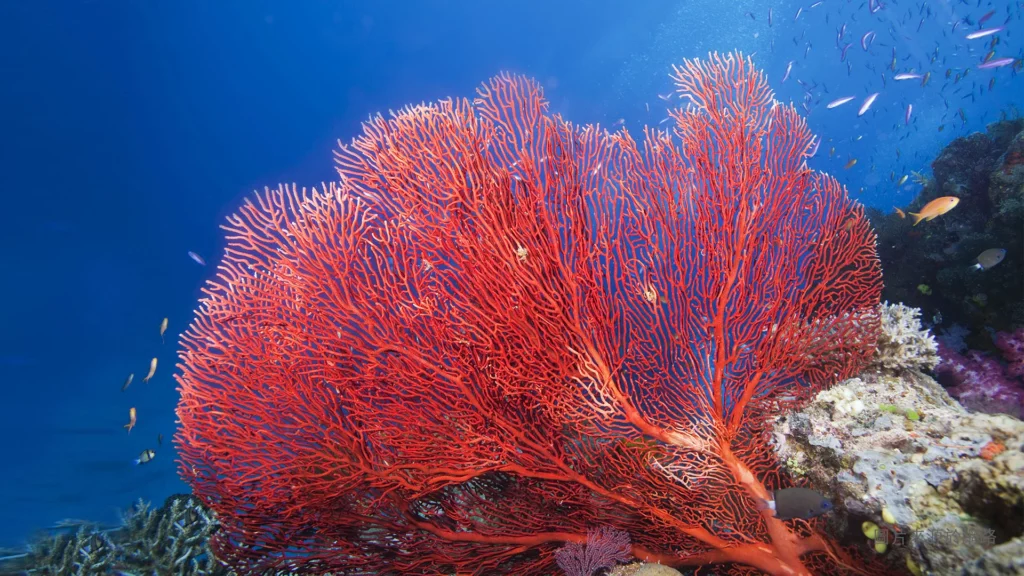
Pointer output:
499, 330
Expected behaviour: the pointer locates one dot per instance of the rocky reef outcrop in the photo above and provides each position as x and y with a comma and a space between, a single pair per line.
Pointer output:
929, 266
914, 476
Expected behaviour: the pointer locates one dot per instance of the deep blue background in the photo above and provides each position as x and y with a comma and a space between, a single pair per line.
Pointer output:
131, 129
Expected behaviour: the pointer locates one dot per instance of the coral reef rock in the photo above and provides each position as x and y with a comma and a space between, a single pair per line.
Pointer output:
913, 475
644, 569
1003, 560
986, 171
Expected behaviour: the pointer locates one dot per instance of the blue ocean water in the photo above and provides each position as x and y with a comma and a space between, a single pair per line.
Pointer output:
133, 128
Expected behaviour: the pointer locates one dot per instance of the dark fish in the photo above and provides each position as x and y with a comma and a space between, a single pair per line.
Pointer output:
145, 457
989, 258
797, 503
128, 382
159, 439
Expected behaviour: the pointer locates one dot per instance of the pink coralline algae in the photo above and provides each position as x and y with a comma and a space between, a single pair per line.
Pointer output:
984, 383
1012, 346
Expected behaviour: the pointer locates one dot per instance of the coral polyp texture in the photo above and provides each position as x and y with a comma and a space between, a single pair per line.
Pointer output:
904, 344
993, 382
499, 330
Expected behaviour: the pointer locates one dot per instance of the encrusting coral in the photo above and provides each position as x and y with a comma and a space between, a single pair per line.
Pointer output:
942, 489
171, 540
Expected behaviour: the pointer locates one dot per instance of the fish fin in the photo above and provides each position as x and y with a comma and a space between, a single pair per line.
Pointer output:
917, 217
138, 461
762, 504
977, 267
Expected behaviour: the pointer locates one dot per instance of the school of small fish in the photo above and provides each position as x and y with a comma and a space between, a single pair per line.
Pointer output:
892, 47
970, 28
884, 25
148, 454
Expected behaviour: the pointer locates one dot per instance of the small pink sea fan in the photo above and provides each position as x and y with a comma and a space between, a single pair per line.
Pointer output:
605, 546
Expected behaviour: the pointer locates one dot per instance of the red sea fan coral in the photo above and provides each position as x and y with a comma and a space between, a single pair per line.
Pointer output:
499, 330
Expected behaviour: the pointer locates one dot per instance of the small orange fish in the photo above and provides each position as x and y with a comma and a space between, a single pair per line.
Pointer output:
900, 213
935, 208
850, 164
131, 419
152, 370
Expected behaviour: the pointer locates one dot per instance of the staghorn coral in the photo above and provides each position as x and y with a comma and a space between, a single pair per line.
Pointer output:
171, 541
903, 343
84, 552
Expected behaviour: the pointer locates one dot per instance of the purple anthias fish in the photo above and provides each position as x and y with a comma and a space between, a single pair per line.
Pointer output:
996, 63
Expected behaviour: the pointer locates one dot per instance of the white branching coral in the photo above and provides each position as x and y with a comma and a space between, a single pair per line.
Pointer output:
172, 540
904, 344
